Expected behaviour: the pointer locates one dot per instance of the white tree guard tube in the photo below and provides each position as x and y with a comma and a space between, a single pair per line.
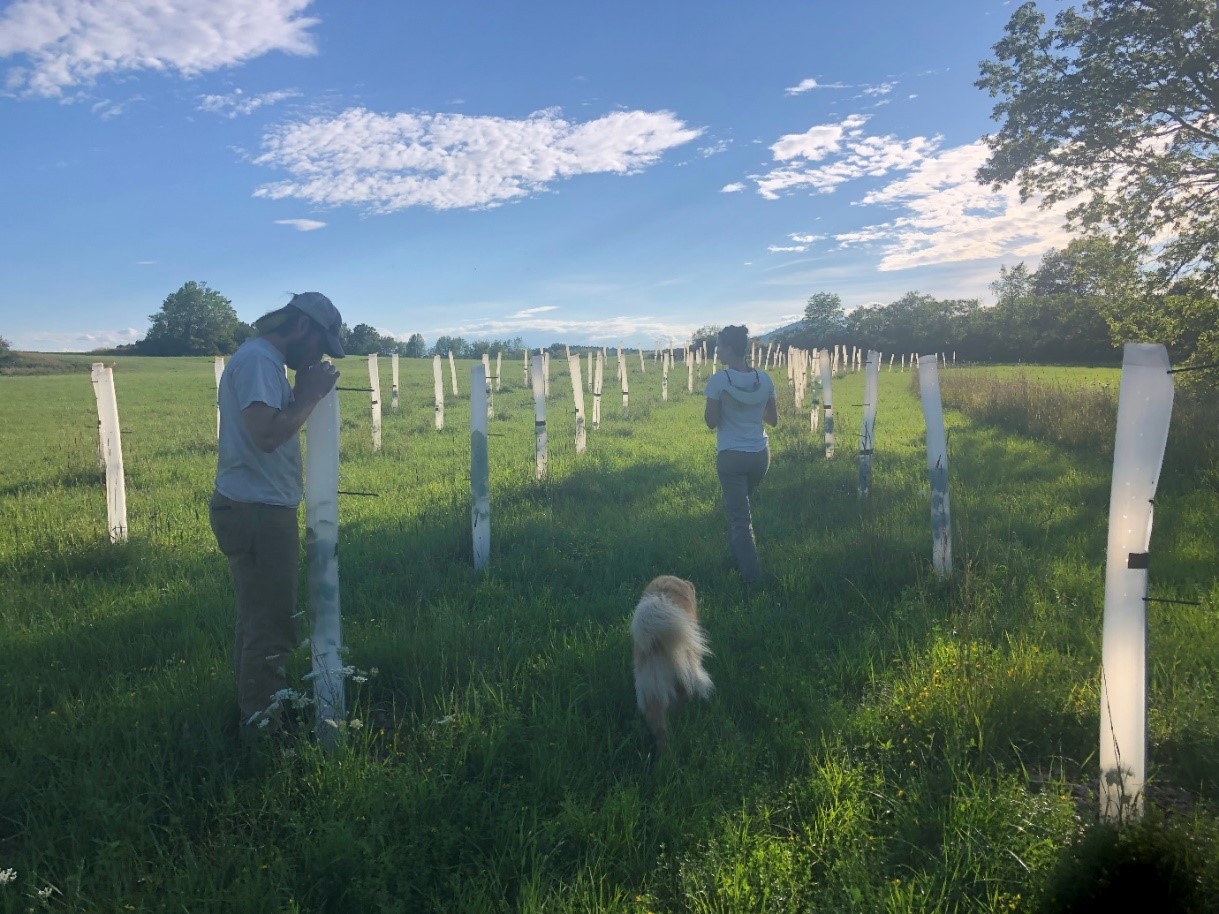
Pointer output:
525, 368
110, 449
598, 383
626, 386
689, 371
590, 371
642, 368
218, 368
453, 372
868, 428
490, 395
577, 395
546, 373
664, 377
1144, 408
480, 470
322, 556
438, 390
539, 416
937, 465
499, 367
827, 399
393, 374
374, 381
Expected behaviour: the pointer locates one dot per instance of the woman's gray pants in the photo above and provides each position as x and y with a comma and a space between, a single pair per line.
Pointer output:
740, 472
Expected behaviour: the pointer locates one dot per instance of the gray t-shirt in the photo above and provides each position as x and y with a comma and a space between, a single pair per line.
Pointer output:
743, 396
255, 374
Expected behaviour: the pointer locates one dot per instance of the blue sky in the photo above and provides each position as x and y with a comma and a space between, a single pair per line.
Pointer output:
605, 173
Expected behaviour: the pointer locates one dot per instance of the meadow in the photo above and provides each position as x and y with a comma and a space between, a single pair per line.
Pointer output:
879, 740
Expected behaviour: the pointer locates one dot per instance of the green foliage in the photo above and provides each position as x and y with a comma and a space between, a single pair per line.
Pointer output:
364, 339
1114, 104
195, 320
824, 320
464, 349
5, 347
414, 347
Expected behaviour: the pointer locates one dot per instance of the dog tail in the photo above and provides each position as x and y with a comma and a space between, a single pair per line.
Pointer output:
660, 626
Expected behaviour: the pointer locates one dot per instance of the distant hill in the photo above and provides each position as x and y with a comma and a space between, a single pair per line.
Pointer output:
771, 335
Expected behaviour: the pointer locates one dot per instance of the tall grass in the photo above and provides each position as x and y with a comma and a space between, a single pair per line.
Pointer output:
1081, 413
878, 741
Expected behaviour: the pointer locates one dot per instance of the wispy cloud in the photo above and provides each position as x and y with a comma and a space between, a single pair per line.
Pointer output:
383, 163
74, 340
633, 330
527, 312
67, 43
851, 152
788, 249
107, 109
237, 103
302, 225
949, 218
942, 215
808, 85
734, 188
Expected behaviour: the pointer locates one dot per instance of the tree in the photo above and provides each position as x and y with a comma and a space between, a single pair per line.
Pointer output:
1115, 107
5, 347
195, 320
446, 344
709, 334
824, 320
1012, 284
363, 340
413, 348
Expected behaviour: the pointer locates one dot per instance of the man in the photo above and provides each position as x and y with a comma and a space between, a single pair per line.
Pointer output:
259, 485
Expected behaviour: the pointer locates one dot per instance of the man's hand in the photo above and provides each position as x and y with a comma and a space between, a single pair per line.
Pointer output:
315, 381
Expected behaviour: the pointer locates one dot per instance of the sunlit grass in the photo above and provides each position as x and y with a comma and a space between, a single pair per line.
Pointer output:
878, 740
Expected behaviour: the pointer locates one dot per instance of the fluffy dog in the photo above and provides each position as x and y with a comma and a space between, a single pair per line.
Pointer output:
669, 650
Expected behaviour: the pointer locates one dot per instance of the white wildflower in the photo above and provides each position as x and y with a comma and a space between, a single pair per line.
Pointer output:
7, 876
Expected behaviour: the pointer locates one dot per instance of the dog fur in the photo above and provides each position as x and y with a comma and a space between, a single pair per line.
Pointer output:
669, 647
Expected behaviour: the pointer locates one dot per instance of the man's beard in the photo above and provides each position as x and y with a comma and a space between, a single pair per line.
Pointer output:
296, 352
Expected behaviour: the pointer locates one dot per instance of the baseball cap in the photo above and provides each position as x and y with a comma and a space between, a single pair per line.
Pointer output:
323, 312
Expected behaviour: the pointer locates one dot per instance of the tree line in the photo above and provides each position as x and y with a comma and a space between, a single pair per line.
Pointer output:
1079, 306
197, 320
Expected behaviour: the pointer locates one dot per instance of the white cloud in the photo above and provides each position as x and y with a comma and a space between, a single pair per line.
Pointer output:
632, 330
817, 142
949, 218
302, 225
882, 89
852, 155
145, 263
238, 103
807, 85
107, 109
526, 312
66, 43
74, 340
714, 149
384, 163
806, 239
733, 188
791, 249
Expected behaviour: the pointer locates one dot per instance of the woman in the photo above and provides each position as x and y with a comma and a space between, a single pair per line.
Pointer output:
739, 398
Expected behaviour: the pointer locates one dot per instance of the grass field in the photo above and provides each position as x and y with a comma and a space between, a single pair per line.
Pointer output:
878, 740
